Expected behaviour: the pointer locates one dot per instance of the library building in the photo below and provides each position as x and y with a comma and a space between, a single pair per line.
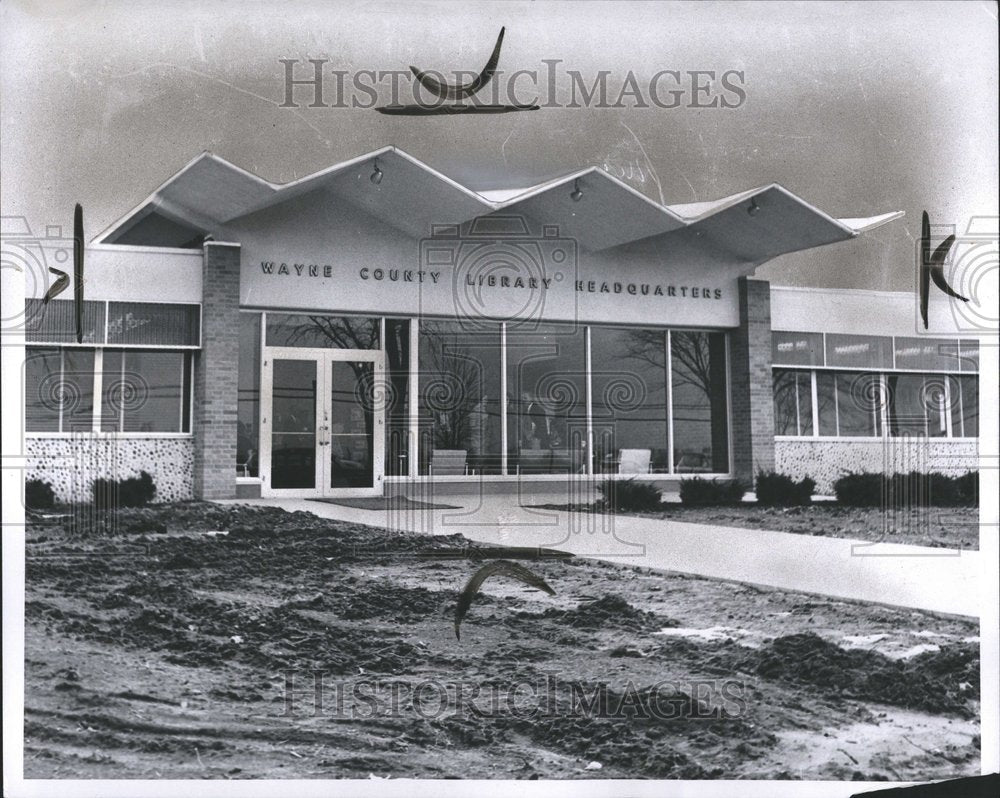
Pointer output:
377, 328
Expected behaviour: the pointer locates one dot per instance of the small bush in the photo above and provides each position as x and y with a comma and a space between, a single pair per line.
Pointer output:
629, 496
859, 490
698, 492
38, 495
780, 490
132, 492
907, 490
968, 488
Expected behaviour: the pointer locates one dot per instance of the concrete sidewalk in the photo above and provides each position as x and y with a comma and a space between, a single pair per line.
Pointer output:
941, 580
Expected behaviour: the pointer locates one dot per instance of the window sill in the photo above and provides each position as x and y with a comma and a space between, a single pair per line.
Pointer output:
106, 435
867, 438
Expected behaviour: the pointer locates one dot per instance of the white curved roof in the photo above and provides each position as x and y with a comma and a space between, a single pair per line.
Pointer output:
210, 192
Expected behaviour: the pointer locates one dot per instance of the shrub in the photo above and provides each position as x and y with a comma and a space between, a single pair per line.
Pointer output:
629, 496
698, 492
132, 492
859, 490
38, 495
780, 490
968, 487
907, 490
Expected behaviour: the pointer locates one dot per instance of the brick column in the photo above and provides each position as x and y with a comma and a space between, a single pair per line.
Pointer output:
753, 404
215, 382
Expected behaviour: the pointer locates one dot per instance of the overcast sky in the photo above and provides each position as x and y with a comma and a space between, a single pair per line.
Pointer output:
860, 108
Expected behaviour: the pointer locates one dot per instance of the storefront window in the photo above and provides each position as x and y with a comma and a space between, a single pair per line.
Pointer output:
145, 391
792, 402
59, 390
701, 442
322, 332
826, 403
459, 413
248, 398
546, 399
859, 404
907, 404
397, 409
970, 406
629, 381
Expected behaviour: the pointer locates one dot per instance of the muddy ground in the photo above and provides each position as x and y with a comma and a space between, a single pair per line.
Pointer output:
936, 527
233, 642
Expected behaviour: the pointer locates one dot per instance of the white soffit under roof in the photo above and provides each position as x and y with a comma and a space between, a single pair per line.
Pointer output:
412, 197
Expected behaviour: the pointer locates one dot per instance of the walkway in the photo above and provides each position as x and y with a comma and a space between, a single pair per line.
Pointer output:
941, 580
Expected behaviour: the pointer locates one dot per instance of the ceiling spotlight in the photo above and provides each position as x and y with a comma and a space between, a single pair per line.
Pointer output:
577, 195
754, 208
376, 176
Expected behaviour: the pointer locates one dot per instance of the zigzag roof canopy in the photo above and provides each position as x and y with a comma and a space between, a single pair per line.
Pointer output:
210, 192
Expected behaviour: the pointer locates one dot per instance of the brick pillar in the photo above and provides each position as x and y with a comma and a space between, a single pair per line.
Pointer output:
753, 403
215, 382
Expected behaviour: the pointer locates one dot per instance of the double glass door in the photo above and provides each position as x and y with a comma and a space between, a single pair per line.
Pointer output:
322, 425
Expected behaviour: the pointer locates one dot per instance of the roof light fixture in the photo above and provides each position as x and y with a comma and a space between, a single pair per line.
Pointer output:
376, 176
754, 208
577, 194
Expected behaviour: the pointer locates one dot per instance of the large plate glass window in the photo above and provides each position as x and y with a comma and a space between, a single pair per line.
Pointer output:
792, 402
145, 391
459, 412
629, 383
316, 331
698, 381
546, 399
248, 397
59, 389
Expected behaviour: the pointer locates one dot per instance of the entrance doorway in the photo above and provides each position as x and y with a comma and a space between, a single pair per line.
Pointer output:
322, 422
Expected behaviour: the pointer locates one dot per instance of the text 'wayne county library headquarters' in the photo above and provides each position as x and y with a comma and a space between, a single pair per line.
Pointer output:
377, 325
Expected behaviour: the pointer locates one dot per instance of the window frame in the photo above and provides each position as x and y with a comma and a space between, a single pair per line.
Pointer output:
187, 361
103, 343
883, 421
507, 470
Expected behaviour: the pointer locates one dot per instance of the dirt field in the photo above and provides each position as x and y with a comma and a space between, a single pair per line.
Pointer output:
230, 642
936, 527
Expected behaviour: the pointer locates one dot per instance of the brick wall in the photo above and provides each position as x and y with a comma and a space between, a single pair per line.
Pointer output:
752, 400
215, 383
